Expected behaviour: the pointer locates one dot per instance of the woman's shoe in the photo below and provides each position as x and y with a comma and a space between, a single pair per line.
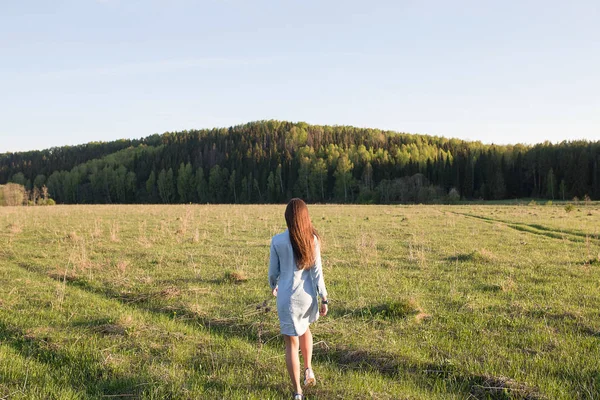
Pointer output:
309, 377
298, 396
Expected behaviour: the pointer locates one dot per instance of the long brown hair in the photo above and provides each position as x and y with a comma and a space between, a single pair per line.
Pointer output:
301, 233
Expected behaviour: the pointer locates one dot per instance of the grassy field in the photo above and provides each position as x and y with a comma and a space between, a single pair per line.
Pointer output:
426, 302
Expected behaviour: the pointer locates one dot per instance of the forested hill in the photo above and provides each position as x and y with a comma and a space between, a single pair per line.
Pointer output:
271, 161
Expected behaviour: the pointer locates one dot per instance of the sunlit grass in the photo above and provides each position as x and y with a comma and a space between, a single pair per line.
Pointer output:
427, 302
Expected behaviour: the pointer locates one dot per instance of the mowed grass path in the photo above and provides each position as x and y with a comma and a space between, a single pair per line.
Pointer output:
427, 302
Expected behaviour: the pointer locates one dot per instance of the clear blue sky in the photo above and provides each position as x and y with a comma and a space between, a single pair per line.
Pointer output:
496, 71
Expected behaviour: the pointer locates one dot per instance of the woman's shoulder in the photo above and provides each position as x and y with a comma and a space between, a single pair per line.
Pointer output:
281, 237
317, 240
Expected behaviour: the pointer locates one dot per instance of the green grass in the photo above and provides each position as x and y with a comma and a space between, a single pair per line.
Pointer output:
427, 302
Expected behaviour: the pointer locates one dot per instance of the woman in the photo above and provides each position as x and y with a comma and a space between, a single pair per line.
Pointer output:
296, 278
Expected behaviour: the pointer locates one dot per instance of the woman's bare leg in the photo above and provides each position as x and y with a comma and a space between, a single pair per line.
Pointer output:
292, 361
306, 347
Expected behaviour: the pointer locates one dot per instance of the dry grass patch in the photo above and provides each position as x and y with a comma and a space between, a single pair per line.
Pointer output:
366, 247
508, 285
114, 232
116, 362
146, 280
73, 236
499, 387
14, 228
121, 327
396, 309
198, 310
143, 237
122, 266
110, 329
41, 337
37, 334
418, 247
66, 275
366, 242
96, 230
485, 255
480, 256
196, 237
235, 277
137, 297
422, 317
79, 256
170, 292
374, 360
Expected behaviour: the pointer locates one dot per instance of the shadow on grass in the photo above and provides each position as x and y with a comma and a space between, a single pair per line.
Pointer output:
537, 229
218, 388
477, 256
489, 287
463, 257
564, 321
586, 383
392, 310
83, 374
429, 375
182, 313
432, 376
226, 278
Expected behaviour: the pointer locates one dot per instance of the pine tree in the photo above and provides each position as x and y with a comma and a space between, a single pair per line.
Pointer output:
244, 198
320, 174
498, 188
596, 179
185, 183
343, 176
257, 188
550, 184
232, 186
215, 183
279, 181
130, 187
563, 189
367, 176
469, 181
201, 186
303, 182
271, 188
166, 189
151, 186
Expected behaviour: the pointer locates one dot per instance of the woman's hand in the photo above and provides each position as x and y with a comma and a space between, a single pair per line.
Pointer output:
275, 291
323, 310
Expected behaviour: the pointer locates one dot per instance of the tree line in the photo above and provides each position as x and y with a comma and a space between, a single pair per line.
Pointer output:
272, 161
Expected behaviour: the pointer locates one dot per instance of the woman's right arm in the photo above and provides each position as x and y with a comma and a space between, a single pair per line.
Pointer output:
317, 273
273, 267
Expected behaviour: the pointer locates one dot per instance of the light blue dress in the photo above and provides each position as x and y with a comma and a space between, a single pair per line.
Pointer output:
297, 303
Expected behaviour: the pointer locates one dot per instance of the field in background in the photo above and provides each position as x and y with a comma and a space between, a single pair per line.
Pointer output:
427, 302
